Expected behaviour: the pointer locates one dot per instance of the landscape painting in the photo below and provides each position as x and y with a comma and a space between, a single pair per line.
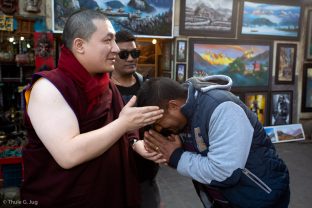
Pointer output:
143, 18
270, 19
271, 133
200, 17
293, 132
248, 64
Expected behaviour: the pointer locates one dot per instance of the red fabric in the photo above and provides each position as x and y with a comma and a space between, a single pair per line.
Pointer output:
93, 86
109, 180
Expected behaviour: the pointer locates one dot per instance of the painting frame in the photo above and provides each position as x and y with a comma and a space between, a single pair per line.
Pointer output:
257, 102
132, 18
285, 133
214, 31
281, 108
306, 104
308, 49
252, 27
180, 72
285, 67
258, 77
181, 50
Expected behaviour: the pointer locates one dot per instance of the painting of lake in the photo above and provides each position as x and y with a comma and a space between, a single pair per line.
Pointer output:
270, 19
140, 17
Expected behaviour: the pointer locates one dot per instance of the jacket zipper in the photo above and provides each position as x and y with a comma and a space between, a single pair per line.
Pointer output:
257, 181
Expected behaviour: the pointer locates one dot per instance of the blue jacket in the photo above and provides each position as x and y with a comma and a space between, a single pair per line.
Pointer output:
228, 148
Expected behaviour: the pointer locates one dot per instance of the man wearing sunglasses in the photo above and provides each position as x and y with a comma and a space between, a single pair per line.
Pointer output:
128, 82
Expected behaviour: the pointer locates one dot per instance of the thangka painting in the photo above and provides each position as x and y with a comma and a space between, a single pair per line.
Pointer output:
270, 18
208, 18
285, 133
247, 63
143, 18
44, 51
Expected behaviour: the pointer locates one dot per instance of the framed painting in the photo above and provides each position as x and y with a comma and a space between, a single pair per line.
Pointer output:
285, 133
208, 18
164, 60
308, 50
180, 72
278, 19
307, 88
150, 18
247, 63
281, 108
270, 131
257, 103
286, 55
181, 50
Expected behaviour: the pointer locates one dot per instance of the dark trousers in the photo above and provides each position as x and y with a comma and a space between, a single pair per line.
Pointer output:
150, 197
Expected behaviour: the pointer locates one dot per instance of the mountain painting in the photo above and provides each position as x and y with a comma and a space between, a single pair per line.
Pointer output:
247, 64
213, 17
143, 18
291, 132
270, 19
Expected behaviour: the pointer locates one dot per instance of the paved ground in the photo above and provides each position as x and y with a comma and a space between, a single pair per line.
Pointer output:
177, 191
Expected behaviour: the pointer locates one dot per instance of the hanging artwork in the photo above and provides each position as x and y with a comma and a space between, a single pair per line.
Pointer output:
43, 43
308, 47
285, 63
6, 23
257, 103
180, 72
307, 88
281, 108
181, 50
270, 19
208, 18
149, 18
248, 63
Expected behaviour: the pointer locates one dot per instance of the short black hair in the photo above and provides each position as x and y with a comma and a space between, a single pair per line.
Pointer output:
80, 25
124, 36
158, 91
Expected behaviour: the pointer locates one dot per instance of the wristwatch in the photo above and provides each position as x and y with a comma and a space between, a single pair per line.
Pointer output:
133, 141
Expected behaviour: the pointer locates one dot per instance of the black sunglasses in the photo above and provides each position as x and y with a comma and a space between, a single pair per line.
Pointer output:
124, 54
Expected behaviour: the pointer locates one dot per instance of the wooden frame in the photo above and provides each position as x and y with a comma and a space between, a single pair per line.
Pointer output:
281, 108
247, 63
257, 103
208, 18
273, 19
285, 133
154, 20
180, 72
181, 50
165, 58
285, 69
308, 49
306, 105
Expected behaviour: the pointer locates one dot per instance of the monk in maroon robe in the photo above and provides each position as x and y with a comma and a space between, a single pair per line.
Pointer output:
78, 154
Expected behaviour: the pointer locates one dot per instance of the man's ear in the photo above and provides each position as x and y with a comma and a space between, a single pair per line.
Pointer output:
78, 45
173, 105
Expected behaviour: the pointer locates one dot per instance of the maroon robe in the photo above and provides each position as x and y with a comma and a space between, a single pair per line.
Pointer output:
106, 181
